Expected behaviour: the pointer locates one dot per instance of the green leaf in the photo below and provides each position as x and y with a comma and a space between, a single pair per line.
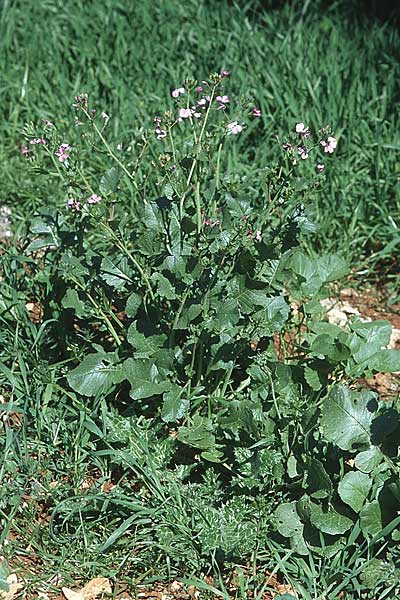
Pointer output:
109, 182
332, 267
175, 406
377, 571
369, 459
375, 333
371, 518
132, 304
347, 416
145, 346
287, 520
144, 377
384, 425
354, 489
318, 481
313, 378
115, 276
329, 521
164, 286
168, 191
4, 573
93, 376
385, 361
71, 300
198, 434
274, 316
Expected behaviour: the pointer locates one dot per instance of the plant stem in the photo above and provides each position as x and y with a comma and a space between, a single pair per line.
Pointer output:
109, 150
119, 243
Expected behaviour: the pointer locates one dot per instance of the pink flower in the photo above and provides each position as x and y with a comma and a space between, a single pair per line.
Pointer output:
287, 146
330, 145
177, 92
256, 112
38, 141
47, 123
81, 101
320, 167
157, 119
202, 102
185, 113
234, 128
225, 73
94, 199
160, 133
63, 152
222, 99
73, 204
302, 150
301, 128
25, 151
199, 89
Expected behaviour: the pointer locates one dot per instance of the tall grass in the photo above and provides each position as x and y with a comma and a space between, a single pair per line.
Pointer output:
303, 61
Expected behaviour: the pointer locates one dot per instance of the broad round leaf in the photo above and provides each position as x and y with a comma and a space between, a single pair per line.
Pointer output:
329, 521
347, 416
354, 489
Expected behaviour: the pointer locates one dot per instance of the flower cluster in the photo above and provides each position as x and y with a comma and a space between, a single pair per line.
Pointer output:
330, 145
77, 205
159, 131
81, 102
234, 128
63, 152
303, 150
40, 141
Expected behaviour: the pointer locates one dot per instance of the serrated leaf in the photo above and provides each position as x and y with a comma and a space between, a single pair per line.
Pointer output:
71, 300
313, 378
329, 521
274, 316
175, 406
145, 346
354, 489
144, 378
168, 191
347, 416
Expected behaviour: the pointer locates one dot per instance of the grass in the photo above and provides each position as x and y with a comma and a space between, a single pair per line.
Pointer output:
66, 492
302, 62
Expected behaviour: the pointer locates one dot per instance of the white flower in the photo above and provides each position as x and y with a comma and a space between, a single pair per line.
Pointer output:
301, 128
234, 128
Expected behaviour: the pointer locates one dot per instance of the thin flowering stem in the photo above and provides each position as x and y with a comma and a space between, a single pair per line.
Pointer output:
196, 158
100, 310
55, 163
124, 249
109, 149
198, 205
